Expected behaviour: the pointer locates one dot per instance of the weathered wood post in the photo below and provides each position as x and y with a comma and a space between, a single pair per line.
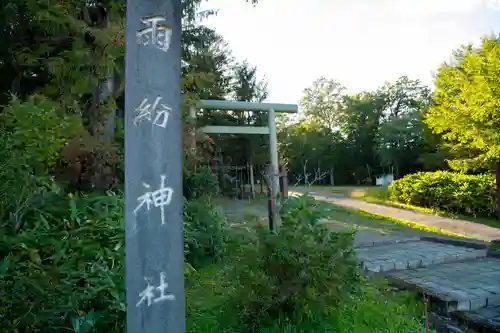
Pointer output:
153, 173
271, 207
284, 181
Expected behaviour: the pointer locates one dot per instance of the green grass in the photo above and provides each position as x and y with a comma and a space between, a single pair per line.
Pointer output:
380, 195
376, 308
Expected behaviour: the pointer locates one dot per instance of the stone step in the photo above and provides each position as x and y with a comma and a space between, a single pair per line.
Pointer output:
462, 286
484, 320
412, 254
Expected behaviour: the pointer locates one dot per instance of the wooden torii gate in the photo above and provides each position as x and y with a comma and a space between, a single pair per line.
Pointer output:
271, 109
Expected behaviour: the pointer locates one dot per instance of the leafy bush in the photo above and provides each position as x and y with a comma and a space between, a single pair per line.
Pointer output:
64, 271
87, 164
372, 308
301, 274
205, 230
303, 279
303, 209
32, 133
303, 271
200, 182
447, 191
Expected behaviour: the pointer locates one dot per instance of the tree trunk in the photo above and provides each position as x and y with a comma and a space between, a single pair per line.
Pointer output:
107, 88
304, 171
497, 173
105, 127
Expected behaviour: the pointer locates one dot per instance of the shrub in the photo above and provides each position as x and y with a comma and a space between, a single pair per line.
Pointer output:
32, 133
303, 209
200, 182
302, 271
448, 191
299, 274
64, 270
303, 279
205, 230
87, 164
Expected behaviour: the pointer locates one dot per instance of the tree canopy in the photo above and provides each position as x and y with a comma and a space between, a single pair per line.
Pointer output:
465, 110
353, 137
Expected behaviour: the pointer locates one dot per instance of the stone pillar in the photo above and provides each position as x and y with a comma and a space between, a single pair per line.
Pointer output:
153, 168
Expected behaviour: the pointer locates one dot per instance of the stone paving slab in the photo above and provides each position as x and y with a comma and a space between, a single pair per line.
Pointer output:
466, 286
413, 254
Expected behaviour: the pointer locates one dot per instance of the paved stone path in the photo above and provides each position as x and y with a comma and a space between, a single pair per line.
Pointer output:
465, 286
413, 254
462, 227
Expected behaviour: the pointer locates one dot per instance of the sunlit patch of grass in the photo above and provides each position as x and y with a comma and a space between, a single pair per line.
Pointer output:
418, 226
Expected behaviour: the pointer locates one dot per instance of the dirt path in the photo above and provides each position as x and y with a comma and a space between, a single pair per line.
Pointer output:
462, 227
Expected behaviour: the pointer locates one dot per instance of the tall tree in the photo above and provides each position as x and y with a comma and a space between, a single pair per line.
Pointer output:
399, 138
321, 102
466, 110
404, 96
360, 119
242, 83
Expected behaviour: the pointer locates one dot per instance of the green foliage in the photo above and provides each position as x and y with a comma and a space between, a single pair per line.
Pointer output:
302, 210
299, 275
350, 138
32, 134
205, 230
448, 191
466, 104
303, 279
303, 271
65, 266
205, 223
200, 182
375, 308
322, 101
64, 271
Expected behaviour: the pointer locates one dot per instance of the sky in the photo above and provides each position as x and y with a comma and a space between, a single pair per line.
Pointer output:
360, 43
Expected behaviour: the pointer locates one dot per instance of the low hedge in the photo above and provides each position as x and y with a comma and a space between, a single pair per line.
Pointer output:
448, 191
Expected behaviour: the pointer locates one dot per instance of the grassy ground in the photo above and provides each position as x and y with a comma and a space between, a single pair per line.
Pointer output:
380, 195
376, 308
